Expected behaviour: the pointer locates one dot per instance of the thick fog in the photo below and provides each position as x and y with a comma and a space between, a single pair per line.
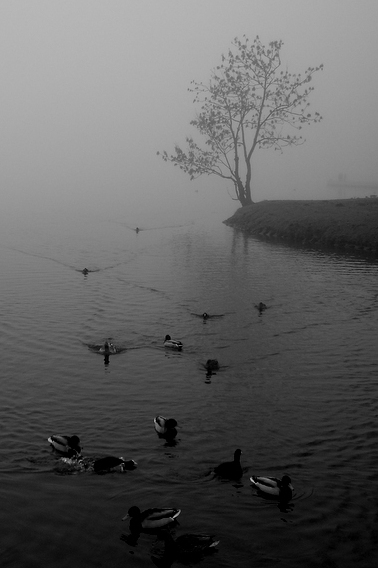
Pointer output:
92, 89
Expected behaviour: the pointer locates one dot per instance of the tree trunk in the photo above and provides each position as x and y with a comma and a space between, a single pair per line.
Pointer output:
243, 193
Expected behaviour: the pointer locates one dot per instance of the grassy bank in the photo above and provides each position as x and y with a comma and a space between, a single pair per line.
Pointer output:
339, 223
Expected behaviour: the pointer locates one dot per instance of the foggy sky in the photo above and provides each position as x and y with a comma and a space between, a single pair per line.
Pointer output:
92, 89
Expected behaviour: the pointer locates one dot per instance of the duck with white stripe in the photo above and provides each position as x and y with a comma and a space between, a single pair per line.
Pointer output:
153, 518
172, 343
68, 445
165, 427
272, 486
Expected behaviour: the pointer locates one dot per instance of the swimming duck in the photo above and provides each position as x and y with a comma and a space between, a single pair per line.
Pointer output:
153, 518
232, 469
165, 427
212, 365
111, 463
205, 315
85, 271
172, 343
69, 445
280, 488
187, 545
261, 307
108, 348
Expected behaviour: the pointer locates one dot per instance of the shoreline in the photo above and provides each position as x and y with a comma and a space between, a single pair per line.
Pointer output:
343, 224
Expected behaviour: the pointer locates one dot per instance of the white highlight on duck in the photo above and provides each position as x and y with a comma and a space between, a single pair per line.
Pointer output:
172, 343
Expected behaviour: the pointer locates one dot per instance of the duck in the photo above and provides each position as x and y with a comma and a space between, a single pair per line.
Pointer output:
187, 545
85, 271
172, 343
69, 445
110, 463
212, 365
232, 469
165, 427
261, 307
272, 486
153, 518
108, 348
205, 315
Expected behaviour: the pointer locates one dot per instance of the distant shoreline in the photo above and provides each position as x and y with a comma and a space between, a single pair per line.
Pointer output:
348, 224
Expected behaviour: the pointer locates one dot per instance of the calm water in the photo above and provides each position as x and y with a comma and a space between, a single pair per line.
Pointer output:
297, 392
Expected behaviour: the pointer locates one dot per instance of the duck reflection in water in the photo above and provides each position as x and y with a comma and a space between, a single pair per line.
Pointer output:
186, 548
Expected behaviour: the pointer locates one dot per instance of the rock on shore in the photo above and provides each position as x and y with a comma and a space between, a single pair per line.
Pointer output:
339, 223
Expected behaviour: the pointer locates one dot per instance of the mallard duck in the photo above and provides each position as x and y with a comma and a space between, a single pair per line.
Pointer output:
69, 445
212, 365
187, 545
165, 427
281, 488
111, 463
108, 348
232, 469
150, 518
172, 343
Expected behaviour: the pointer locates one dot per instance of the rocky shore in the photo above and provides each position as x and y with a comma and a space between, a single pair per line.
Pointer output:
349, 224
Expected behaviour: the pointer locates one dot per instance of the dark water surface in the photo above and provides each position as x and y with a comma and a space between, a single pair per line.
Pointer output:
297, 392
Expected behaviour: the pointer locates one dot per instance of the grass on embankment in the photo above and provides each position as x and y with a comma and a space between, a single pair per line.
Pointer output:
340, 223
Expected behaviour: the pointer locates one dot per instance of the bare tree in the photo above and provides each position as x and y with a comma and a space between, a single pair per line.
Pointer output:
248, 104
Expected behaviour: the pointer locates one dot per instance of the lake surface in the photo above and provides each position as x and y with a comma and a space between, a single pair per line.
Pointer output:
297, 392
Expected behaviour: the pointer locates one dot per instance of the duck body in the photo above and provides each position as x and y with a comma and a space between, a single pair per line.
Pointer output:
172, 343
281, 488
232, 469
68, 445
212, 365
153, 518
112, 463
108, 348
187, 545
165, 427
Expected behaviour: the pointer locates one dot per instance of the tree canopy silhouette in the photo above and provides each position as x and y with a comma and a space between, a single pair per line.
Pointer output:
248, 104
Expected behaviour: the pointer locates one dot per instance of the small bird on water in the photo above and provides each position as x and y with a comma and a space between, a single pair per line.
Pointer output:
231, 469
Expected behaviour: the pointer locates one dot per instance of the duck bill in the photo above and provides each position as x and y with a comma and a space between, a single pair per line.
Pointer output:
126, 517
